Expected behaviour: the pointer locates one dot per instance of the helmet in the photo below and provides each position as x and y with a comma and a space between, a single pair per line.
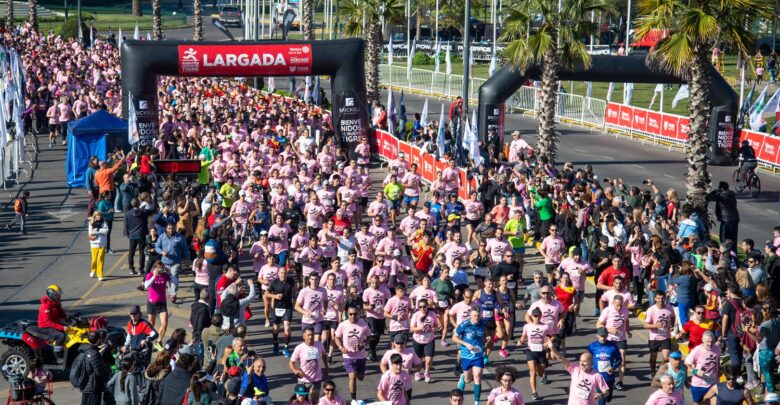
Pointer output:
54, 292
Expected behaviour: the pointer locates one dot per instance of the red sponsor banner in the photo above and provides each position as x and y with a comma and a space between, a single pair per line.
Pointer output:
626, 115
669, 126
769, 149
756, 139
612, 114
463, 190
429, 167
653, 123
245, 60
440, 166
683, 127
390, 147
405, 148
416, 158
639, 122
379, 138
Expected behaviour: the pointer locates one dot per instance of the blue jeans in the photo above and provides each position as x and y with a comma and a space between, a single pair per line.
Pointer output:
734, 349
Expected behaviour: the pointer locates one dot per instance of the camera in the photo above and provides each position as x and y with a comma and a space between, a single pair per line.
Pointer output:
647, 182
606, 180
251, 353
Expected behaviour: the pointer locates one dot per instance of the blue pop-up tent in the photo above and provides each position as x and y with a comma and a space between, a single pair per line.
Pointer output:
94, 135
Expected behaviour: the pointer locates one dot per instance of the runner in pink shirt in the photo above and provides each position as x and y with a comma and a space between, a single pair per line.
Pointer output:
505, 393
334, 309
351, 336
412, 363
552, 249
497, 245
378, 207
411, 183
374, 299
388, 244
474, 213
666, 395
552, 311
615, 319
310, 355
535, 333
378, 228
423, 326
659, 321
704, 363
450, 178
587, 385
394, 383
409, 224
279, 235
423, 291
618, 288
310, 258
311, 304
267, 275
340, 275
578, 271
399, 310
454, 249
365, 246
314, 213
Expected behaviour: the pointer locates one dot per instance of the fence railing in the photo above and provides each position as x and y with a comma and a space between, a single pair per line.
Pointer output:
427, 81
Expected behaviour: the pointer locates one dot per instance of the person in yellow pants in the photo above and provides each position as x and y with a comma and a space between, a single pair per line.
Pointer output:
98, 237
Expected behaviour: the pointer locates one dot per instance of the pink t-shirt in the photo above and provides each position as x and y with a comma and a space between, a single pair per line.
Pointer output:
399, 308
583, 385
376, 299
310, 260
269, 273
353, 337
379, 209
496, 248
428, 322
609, 295
663, 315
341, 278
411, 182
408, 355
314, 215
421, 292
553, 246
367, 245
576, 271
309, 358
279, 237
461, 311
337, 400
474, 210
335, 301
661, 398
536, 335
312, 300
394, 386
512, 397
617, 319
157, 289
551, 313
453, 251
707, 361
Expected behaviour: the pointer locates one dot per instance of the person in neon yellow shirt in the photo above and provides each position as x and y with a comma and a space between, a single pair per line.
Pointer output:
393, 192
229, 193
515, 231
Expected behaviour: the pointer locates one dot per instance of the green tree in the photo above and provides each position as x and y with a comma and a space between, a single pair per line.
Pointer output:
136, 5
553, 42
372, 12
695, 26
307, 9
9, 16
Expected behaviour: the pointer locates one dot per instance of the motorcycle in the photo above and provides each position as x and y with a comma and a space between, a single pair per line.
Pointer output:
24, 343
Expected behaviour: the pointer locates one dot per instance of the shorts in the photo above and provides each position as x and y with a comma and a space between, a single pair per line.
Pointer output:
282, 257
697, 393
355, 366
519, 250
658, 345
580, 296
364, 201
394, 204
424, 349
330, 325
621, 344
467, 364
537, 357
317, 326
287, 316
490, 326
474, 222
551, 268
411, 199
156, 308
377, 326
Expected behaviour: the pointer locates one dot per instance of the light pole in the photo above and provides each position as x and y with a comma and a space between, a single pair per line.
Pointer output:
466, 54
774, 26
628, 29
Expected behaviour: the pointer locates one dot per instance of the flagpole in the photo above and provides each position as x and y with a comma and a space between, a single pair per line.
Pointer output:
742, 83
662, 98
436, 34
628, 29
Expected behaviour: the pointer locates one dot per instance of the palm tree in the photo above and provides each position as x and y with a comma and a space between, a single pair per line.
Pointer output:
374, 12
308, 19
554, 42
156, 20
32, 5
137, 11
197, 20
9, 17
695, 26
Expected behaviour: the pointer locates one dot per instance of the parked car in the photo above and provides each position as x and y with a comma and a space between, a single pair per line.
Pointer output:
230, 15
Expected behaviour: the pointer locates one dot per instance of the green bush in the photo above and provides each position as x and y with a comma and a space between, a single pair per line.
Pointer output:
422, 59
69, 29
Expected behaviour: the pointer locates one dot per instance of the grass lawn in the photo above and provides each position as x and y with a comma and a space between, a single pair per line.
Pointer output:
105, 18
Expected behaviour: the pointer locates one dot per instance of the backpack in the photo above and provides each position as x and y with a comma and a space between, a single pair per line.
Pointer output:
230, 306
740, 316
79, 375
150, 393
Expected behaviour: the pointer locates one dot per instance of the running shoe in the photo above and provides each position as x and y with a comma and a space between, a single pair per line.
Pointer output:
267, 323
444, 343
92, 275
133, 272
100, 278
504, 353
534, 396
461, 382
428, 377
619, 386
286, 352
418, 376
544, 379
330, 359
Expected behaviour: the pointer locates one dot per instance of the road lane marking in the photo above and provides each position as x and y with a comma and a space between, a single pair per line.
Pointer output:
638, 166
671, 177
97, 283
580, 150
607, 157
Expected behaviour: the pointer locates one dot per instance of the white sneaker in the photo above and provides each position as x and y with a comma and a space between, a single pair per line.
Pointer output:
92, 275
100, 278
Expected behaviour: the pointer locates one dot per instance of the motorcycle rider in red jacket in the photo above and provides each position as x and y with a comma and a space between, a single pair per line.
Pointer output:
51, 317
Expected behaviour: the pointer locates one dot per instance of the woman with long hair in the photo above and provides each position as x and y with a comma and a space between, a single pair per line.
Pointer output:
97, 234
505, 314
566, 294
126, 384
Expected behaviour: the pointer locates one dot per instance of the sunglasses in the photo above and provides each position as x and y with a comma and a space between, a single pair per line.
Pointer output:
699, 313
545, 293
352, 313
422, 307
327, 389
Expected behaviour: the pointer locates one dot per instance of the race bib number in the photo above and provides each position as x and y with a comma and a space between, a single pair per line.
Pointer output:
536, 347
582, 393
603, 365
427, 336
481, 272
503, 401
442, 304
330, 314
511, 284
487, 314
280, 312
312, 354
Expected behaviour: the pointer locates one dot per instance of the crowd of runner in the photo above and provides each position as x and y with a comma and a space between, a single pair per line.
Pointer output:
286, 228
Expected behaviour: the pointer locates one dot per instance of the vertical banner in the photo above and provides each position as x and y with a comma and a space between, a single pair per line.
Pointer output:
351, 119
380, 141
146, 118
612, 114
669, 126
640, 120
626, 116
416, 158
725, 142
495, 116
428, 167
654, 123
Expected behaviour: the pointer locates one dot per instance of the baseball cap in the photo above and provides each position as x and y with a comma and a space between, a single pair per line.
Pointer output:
233, 385
300, 389
427, 204
263, 233
135, 309
602, 332
242, 193
453, 217
399, 338
234, 371
675, 355
536, 311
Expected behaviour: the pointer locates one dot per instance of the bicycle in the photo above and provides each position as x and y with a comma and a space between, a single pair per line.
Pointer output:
748, 181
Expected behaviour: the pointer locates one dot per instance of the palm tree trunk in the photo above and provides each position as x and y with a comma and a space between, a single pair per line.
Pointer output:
156, 20
197, 20
9, 17
374, 44
418, 22
137, 12
308, 19
33, 19
698, 178
547, 103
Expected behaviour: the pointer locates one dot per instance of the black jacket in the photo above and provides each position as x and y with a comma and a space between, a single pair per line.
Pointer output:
136, 223
200, 318
174, 386
725, 205
97, 370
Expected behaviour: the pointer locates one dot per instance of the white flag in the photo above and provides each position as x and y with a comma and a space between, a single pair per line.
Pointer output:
589, 90
610, 90
306, 91
474, 143
91, 35
390, 51
436, 58
466, 141
271, 84
132, 122
137, 33
757, 110
683, 93
424, 114
471, 63
658, 88
628, 92
148, 36
493, 63
392, 116
448, 61
119, 39
440, 144
410, 61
